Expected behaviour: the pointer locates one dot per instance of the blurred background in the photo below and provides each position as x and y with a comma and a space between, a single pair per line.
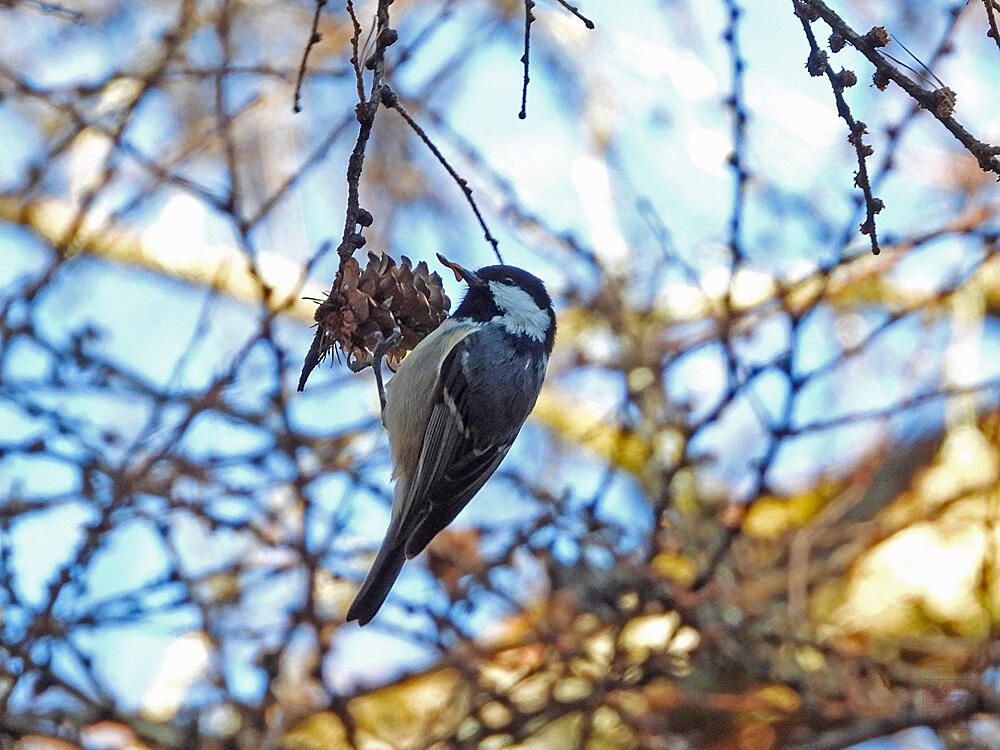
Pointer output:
756, 505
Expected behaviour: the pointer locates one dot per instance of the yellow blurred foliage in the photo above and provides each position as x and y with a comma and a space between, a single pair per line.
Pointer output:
770, 517
437, 704
576, 424
932, 571
321, 731
401, 715
675, 567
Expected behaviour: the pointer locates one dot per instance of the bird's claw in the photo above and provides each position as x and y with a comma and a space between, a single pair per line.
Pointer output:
382, 347
357, 365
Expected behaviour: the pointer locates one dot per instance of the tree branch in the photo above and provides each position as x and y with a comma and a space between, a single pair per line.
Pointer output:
935, 102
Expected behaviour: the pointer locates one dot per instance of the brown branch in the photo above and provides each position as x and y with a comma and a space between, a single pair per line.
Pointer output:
529, 18
355, 54
314, 37
863, 729
994, 32
391, 100
352, 239
934, 102
819, 64
735, 102
224, 121
576, 12
365, 113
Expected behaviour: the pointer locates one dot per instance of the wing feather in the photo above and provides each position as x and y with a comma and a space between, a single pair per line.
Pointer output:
453, 465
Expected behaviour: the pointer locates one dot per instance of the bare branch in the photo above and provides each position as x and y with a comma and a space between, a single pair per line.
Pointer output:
818, 64
934, 102
393, 101
314, 38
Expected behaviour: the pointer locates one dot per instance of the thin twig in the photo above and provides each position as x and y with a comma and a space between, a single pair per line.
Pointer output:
529, 18
314, 37
223, 26
355, 55
994, 32
393, 102
365, 111
53, 9
895, 131
736, 105
930, 73
352, 239
576, 12
732, 527
818, 64
512, 208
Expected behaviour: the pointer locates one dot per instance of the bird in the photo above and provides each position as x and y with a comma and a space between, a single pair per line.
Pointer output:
453, 409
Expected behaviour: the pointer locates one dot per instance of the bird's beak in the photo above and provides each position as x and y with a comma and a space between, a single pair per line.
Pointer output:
462, 273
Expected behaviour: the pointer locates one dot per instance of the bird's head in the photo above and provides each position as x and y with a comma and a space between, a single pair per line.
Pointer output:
511, 294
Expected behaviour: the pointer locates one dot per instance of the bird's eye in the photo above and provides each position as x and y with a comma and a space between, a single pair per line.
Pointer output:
507, 280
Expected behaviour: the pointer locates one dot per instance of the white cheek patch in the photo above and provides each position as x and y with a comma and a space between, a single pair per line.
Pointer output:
520, 314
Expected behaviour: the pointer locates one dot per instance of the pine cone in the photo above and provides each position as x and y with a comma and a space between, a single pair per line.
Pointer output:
365, 305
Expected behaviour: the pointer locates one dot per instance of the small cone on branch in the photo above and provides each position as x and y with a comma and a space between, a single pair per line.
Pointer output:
364, 305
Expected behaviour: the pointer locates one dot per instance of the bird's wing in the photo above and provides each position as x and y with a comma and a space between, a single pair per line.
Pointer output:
453, 465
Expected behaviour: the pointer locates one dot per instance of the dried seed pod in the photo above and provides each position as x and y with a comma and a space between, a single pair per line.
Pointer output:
943, 101
816, 64
805, 12
877, 36
846, 79
364, 305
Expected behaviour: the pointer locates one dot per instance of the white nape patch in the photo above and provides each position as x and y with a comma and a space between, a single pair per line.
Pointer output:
519, 313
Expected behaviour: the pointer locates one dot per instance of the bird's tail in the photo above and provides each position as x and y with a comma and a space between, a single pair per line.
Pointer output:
379, 580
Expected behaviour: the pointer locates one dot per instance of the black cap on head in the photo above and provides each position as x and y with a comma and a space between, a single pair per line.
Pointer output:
511, 275
480, 303
520, 278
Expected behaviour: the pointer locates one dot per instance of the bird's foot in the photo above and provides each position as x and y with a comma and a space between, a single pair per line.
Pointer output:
382, 348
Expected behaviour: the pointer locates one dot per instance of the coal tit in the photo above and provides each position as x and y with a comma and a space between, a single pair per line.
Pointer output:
454, 407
